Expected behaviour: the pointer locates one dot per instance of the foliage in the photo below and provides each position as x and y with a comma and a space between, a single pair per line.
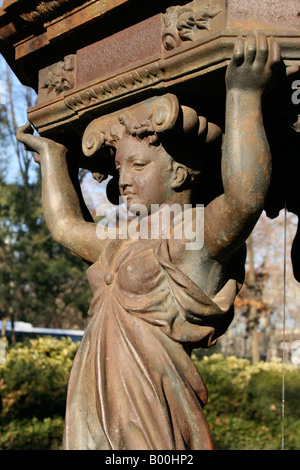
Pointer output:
40, 281
244, 408
33, 387
32, 434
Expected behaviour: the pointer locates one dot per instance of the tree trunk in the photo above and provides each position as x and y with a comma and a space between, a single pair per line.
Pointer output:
253, 314
255, 350
13, 333
3, 329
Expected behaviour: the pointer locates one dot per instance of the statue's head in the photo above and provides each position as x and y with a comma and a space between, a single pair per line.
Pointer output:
157, 151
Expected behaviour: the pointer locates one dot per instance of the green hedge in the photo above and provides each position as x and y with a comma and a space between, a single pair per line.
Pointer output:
33, 387
243, 409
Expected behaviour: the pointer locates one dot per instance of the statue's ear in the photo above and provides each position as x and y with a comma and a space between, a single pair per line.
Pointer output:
180, 176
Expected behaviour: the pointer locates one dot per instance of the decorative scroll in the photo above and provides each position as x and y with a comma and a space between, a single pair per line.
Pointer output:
185, 23
158, 114
121, 85
61, 76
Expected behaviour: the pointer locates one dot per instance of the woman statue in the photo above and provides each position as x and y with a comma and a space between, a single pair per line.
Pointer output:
133, 384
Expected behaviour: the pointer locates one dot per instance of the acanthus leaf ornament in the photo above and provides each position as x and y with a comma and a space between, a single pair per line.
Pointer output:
61, 76
185, 23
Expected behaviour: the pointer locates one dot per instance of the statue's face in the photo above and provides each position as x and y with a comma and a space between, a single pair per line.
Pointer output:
145, 174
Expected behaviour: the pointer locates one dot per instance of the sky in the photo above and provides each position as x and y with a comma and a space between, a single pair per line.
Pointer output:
95, 192
20, 107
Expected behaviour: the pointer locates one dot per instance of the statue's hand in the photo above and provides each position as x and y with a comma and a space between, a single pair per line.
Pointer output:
255, 63
40, 146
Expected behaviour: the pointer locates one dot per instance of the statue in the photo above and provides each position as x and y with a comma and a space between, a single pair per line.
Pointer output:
133, 384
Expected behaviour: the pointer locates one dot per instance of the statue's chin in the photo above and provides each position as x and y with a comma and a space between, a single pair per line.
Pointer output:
137, 209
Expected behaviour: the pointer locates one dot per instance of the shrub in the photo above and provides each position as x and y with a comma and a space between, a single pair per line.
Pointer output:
244, 408
32, 434
33, 387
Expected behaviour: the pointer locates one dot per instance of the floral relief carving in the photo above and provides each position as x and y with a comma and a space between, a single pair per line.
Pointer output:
61, 76
185, 23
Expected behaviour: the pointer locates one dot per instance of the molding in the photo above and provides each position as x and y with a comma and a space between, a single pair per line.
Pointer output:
193, 60
43, 9
115, 87
38, 11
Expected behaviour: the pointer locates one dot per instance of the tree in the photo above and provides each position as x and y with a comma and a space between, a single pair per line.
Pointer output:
40, 281
260, 304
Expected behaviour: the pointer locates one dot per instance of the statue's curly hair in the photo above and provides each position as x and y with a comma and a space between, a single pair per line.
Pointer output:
189, 149
178, 148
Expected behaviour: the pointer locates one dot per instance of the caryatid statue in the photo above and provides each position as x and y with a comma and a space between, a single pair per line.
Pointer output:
133, 384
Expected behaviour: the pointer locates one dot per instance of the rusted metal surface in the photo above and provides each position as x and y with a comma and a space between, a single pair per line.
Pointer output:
149, 98
154, 300
113, 54
110, 41
282, 15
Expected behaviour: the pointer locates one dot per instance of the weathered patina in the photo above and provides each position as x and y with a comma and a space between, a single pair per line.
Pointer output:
89, 58
182, 106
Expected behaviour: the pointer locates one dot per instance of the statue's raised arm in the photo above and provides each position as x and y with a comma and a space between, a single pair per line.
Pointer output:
61, 204
246, 161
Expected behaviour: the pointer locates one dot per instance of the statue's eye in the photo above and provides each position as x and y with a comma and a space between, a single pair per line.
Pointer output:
139, 165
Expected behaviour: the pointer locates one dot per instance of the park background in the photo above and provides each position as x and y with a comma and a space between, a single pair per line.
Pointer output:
252, 375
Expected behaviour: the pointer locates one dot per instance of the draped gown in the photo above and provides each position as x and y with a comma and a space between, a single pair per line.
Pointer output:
133, 384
